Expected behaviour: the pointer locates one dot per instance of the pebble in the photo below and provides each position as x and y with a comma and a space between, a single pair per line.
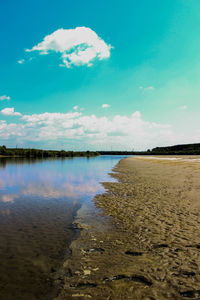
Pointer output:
87, 272
77, 272
118, 242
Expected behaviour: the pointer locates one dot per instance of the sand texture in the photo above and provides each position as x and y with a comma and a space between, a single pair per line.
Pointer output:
144, 242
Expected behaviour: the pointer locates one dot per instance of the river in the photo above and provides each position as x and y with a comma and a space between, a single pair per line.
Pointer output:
39, 200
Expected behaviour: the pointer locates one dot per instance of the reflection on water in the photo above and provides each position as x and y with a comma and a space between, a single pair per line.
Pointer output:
20, 160
38, 201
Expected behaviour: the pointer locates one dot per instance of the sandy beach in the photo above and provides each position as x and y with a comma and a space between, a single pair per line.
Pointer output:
143, 240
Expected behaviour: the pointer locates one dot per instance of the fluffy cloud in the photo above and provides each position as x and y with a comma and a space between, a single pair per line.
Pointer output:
4, 97
79, 46
10, 130
87, 131
80, 131
10, 111
105, 105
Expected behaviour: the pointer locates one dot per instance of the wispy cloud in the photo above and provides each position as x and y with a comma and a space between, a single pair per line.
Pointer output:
184, 107
78, 108
4, 97
21, 61
79, 46
10, 111
148, 88
105, 105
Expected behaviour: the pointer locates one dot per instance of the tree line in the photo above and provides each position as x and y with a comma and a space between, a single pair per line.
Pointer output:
23, 152
183, 149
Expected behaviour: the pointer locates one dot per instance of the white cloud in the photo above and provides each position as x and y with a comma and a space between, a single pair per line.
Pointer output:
10, 111
50, 118
148, 88
122, 132
10, 130
76, 107
105, 105
79, 46
80, 131
21, 61
4, 97
183, 107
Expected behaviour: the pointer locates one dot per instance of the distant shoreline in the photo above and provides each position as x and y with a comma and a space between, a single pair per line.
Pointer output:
183, 149
39, 153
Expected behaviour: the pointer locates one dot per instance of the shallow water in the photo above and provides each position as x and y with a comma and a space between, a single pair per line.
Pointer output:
38, 202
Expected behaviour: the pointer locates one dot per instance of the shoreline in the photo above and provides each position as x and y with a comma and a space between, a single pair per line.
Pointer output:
142, 240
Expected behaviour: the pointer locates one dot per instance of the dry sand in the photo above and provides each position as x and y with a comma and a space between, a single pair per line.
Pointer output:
144, 242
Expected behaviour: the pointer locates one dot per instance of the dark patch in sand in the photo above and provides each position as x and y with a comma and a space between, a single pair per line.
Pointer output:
135, 278
134, 253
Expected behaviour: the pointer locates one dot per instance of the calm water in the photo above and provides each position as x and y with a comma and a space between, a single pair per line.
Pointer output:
38, 201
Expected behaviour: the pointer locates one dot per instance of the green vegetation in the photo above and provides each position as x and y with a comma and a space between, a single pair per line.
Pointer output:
185, 149
38, 153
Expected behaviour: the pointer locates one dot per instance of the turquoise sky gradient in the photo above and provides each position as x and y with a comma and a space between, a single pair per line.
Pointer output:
153, 69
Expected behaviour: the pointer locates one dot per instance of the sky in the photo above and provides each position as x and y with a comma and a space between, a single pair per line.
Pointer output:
99, 75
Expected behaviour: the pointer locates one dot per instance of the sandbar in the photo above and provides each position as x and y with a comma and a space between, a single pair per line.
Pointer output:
141, 239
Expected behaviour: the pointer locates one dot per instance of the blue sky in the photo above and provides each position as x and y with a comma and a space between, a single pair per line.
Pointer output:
115, 75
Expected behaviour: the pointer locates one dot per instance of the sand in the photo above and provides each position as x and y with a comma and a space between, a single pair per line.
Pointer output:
143, 240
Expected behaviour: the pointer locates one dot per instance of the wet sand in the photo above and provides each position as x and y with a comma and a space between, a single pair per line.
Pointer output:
143, 241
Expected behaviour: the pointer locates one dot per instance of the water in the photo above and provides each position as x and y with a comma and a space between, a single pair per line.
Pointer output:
38, 202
